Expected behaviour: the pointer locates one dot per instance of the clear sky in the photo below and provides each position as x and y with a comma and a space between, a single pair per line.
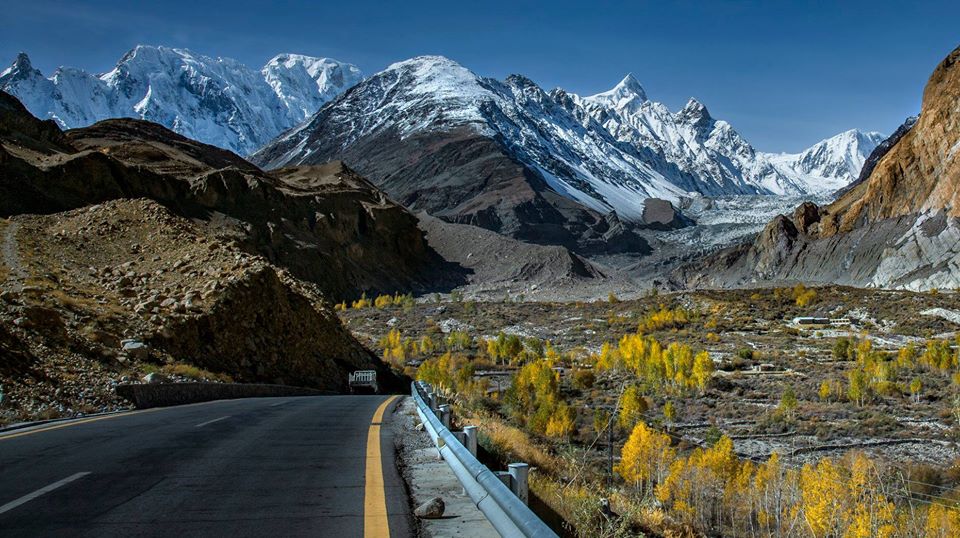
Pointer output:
785, 74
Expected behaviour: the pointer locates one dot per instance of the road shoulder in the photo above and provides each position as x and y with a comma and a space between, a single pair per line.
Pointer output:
428, 476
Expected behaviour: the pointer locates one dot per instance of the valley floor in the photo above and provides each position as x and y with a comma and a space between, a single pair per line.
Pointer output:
880, 380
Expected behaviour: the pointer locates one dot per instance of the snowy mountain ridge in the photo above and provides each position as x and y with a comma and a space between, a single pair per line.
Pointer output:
432, 94
219, 101
610, 151
720, 159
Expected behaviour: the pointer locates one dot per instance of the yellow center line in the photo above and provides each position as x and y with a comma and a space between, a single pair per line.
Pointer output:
375, 521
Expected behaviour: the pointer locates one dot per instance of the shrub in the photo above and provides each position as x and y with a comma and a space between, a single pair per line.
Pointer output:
362, 302
383, 301
583, 378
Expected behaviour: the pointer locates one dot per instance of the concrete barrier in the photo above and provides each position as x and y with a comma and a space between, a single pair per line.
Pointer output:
146, 395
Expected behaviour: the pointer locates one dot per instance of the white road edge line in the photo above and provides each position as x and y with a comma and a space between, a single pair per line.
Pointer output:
202, 424
46, 489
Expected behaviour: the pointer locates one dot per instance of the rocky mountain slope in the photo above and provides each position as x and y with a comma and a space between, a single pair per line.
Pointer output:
897, 227
508, 156
325, 224
215, 100
109, 292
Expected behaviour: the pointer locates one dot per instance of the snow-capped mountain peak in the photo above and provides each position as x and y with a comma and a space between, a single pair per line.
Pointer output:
695, 114
20, 67
305, 83
219, 100
694, 110
437, 77
628, 94
831, 163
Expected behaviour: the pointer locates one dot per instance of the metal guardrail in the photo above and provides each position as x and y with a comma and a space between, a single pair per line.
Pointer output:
504, 508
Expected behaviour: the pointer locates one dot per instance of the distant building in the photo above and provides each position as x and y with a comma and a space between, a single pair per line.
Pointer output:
807, 321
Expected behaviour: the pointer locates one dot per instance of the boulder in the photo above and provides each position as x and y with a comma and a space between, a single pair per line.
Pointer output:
432, 509
660, 214
155, 378
136, 349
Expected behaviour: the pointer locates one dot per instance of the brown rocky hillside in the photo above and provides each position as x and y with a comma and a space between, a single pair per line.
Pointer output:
326, 224
921, 171
897, 227
78, 285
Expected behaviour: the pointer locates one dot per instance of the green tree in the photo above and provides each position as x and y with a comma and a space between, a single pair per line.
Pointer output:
788, 402
858, 388
601, 418
842, 349
915, 387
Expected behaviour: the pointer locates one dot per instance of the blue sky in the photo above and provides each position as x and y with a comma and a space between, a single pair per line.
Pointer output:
785, 74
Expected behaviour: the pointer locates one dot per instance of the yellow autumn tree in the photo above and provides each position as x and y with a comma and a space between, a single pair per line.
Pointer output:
702, 370
822, 498
535, 395
632, 407
427, 346
942, 522
775, 488
362, 302
393, 349
825, 390
697, 488
645, 458
561, 422
608, 359
803, 296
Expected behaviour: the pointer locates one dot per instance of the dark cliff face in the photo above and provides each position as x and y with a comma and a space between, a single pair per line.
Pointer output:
18, 126
896, 226
325, 223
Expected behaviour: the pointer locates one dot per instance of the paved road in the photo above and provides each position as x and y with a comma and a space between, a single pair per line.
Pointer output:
276, 467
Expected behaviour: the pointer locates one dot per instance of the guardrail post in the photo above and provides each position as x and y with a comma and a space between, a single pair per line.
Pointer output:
519, 473
504, 477
445, 416
470, 439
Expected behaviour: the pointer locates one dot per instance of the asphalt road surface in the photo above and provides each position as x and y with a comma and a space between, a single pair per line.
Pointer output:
275, 467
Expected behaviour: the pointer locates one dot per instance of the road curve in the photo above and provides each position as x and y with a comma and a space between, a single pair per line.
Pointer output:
273, 467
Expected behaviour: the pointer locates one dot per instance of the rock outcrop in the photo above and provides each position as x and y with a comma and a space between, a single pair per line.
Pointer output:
116, 290
898, 226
